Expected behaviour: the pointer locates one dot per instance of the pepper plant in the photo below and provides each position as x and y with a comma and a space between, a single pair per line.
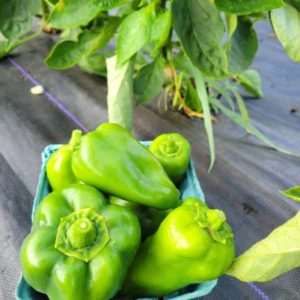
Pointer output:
187, 54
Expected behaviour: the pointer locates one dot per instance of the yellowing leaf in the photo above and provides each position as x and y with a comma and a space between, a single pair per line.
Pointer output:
278, 253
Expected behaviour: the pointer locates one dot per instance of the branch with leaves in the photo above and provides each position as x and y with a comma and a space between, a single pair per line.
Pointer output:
189, 53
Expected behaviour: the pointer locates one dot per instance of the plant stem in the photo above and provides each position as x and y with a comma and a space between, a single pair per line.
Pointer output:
49, 3
29, 37
189, 112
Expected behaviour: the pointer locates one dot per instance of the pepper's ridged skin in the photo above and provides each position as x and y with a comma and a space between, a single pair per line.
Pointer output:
149, 218
59, 167
111, 159
80, 247
193, 244
173, 151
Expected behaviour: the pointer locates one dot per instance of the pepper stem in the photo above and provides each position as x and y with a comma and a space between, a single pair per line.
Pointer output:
75, 138
216, 218
82, 233
170, 147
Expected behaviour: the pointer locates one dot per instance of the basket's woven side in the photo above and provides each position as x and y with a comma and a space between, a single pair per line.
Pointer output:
190, 187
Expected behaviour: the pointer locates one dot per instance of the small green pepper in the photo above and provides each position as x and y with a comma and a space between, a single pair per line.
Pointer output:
80, 247
173, 151
59, 167
192, 244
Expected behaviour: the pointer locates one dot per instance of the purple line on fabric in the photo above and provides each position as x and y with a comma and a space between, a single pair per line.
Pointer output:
51, 97
258, 291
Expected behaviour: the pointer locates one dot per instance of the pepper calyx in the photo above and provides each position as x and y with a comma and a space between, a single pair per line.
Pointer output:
82, 234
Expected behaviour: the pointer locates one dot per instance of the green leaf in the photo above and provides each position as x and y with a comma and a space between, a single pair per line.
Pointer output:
295, 3
255, 17
202, 94
278, 253
293, 193
149, 81
129, 7
120, 92
246, 125
242, 107
160, 30
181, 62
16, 17
250, 80
95, 63
191, 97
73, 13
4, 50
200, 29
71, 34
244, 7
6, 47
223, 92
34, 6
286, 24
243, 46
232, 22
67, 54
134, 33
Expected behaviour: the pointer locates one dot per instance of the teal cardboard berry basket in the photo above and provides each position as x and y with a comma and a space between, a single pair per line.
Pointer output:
189, 187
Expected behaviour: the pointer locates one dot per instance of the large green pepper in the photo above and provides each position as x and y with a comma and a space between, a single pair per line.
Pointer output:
192, 244
59, 167
111, 159
80, 247
173, 151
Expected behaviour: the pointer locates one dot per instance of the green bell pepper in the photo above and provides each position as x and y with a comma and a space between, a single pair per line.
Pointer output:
59, 167
192, 244
112, 160
173, 151
80, 247
149, 218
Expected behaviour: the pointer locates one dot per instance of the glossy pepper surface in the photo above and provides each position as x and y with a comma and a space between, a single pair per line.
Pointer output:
112, 160
149, 218
173, 151
59, 167
80, 247
192, 244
